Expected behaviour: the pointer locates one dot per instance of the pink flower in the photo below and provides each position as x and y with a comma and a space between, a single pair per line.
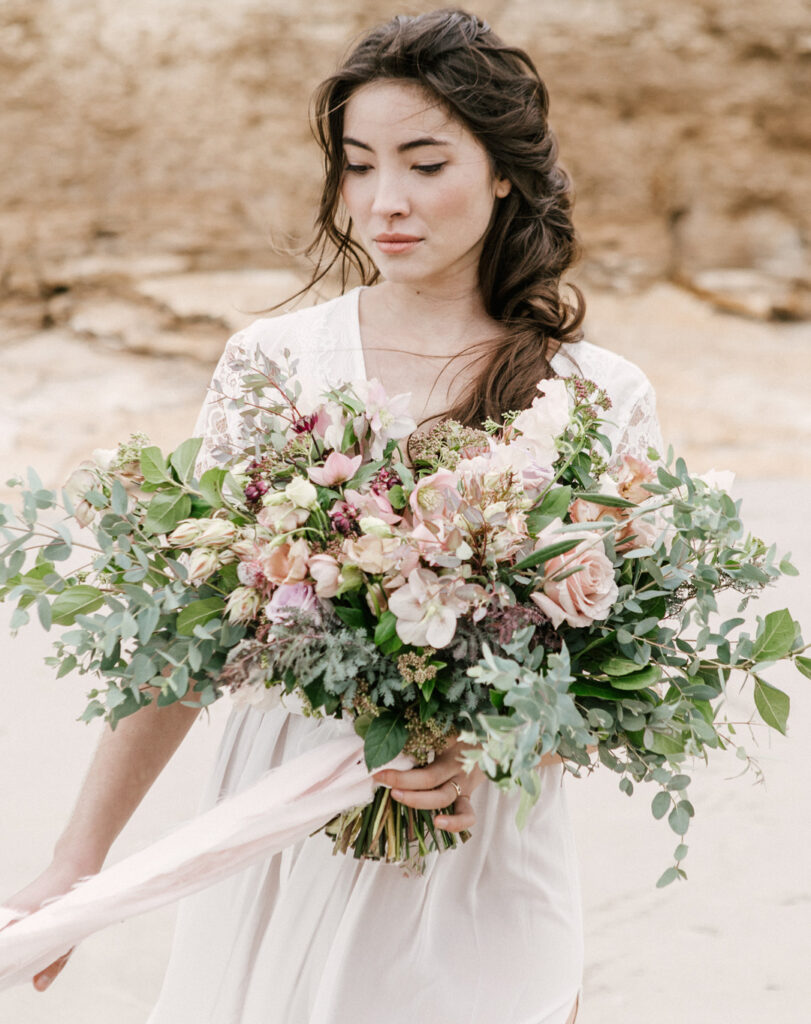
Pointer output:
373, 504
326, 572
285, 563
584, 596
436, 496
633, 475
428, 606
291, 596
336, 469
387, 417
372, 554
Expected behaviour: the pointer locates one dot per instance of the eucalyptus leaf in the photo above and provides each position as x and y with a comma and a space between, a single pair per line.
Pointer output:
772, 704
775, 638
81, 599
166, 511
198, 613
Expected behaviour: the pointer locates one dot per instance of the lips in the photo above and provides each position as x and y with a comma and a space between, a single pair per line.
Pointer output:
395, 243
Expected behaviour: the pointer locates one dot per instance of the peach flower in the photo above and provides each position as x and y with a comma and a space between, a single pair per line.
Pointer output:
586, 595
285, 563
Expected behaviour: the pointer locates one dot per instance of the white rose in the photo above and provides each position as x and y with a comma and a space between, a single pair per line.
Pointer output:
544, 421
301, 492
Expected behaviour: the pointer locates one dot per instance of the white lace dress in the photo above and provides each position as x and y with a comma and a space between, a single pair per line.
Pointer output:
490, 934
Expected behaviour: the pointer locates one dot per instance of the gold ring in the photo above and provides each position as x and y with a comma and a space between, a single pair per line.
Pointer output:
457, 787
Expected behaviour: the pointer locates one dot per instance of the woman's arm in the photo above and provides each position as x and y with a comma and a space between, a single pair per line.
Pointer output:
126, 763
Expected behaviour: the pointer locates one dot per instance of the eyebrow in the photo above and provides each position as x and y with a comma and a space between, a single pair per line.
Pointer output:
427, 140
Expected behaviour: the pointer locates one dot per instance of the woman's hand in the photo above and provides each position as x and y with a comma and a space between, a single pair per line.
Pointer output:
432, 787
54, 881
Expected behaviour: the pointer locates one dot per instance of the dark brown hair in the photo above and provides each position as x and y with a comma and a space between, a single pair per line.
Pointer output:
495, 91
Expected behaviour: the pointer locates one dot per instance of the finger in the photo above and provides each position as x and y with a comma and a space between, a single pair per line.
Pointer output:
463, 817
429, 777
45, 977
428, 799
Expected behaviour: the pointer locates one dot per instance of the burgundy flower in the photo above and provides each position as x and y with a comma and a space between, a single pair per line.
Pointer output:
385, 480
344, 517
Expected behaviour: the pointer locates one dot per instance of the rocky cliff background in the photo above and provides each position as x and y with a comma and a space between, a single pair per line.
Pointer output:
152, 155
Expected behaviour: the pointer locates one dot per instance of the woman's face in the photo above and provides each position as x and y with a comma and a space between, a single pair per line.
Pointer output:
418, 185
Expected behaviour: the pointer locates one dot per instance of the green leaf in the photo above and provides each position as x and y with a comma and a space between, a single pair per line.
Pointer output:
166, 511
618, 666
545, 553
210, 485
385, 738
397, 497
603, 691
804, 665
775, 638
19, 617
679, 819
679, 782
660, 804
609, 500
669, 875
184, 457
79, 600
118, 498
638, 680
198, 613
386, 628
153, 466
772, 704
44, 612
352, 617
555, 505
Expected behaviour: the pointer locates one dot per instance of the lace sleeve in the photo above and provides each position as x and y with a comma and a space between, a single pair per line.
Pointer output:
219, 423
639, 428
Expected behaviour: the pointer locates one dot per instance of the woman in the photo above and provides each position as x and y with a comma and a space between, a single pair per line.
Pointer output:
442, 190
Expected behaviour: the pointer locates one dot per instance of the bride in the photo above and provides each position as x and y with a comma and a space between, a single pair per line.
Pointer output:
443, 193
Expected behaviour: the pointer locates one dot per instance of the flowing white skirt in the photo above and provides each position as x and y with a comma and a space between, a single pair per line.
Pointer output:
491, 933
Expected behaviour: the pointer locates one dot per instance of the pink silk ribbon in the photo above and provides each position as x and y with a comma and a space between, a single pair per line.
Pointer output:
284, 806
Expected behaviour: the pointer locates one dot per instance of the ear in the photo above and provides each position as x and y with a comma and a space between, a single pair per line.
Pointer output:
502, 188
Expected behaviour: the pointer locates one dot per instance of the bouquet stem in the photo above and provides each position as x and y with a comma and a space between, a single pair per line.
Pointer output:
387, 830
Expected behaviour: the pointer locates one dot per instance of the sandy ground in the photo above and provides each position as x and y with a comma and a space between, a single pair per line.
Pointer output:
728, 945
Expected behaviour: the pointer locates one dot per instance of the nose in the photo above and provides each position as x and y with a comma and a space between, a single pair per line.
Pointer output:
390, 196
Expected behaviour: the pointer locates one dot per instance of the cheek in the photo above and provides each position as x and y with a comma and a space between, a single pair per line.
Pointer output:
468, 204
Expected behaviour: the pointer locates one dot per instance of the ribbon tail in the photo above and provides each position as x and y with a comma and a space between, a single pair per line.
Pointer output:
283, 807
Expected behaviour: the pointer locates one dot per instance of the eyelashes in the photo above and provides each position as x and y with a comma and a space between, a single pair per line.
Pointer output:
427, 169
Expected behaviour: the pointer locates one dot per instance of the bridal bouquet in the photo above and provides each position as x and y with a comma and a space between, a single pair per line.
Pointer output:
511, 585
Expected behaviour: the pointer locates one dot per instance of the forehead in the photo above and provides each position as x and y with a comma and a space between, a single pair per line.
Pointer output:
403, 109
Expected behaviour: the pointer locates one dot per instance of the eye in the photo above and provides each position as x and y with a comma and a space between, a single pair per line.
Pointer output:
430, 168
356, 168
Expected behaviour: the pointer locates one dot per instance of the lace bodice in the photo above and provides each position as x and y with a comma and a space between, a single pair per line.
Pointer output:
326, 340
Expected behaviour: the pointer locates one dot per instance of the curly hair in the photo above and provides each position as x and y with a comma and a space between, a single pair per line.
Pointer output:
495, 91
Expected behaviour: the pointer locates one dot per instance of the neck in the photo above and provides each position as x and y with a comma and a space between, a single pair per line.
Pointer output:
451, 316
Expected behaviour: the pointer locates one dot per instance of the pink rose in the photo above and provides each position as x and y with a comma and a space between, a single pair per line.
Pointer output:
585, 595
291, 596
